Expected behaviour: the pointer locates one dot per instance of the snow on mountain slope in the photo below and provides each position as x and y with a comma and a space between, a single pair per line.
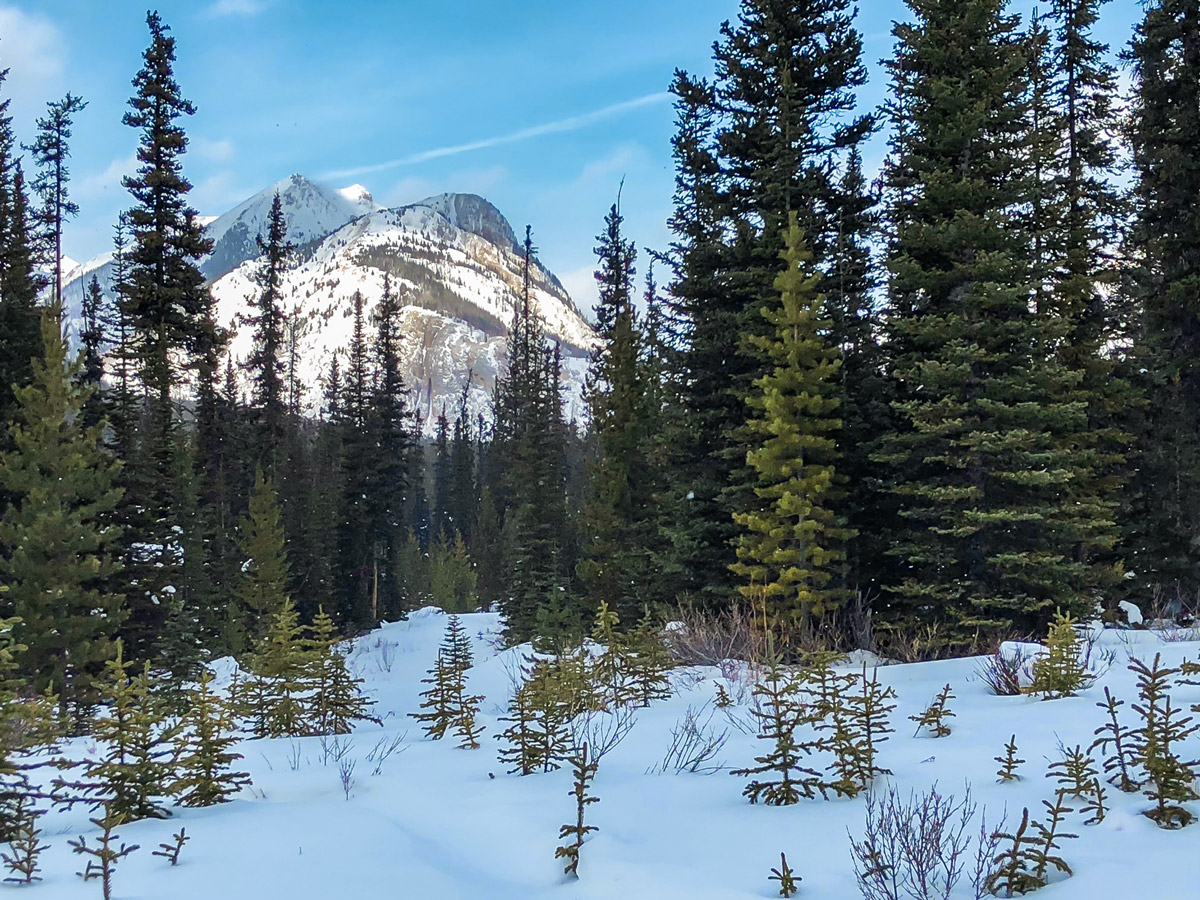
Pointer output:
453, 259
312, 211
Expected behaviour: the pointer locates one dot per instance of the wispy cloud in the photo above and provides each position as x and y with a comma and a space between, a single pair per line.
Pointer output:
571, 123
216, 151
223, 8
34, 50
107, 179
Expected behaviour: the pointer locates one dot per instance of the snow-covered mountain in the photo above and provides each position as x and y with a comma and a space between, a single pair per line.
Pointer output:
453, 258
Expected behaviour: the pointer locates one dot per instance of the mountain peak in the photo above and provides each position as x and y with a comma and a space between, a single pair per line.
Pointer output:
473, 213
358, 195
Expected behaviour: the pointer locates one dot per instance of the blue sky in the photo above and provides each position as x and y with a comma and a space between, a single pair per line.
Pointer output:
541, 106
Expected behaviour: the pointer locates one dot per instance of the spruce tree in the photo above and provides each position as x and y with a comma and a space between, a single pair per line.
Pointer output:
265, 363
989, 461
794, 542
1165, 142
58, 530
277, 698
136, 772
19, 318
204, 758
337, 700
753, 146
389, 459
50, 152
619, 517
169, 311
92, 342
528, 456
263, 589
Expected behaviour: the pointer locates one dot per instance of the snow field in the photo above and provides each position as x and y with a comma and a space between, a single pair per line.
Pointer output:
443, 824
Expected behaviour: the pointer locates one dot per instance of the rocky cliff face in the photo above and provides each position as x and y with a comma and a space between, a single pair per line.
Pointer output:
453, 258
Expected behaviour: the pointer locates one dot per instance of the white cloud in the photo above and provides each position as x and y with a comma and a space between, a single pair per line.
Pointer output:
571, 123
108, 179
34, 51
223, 8
613, 164
216, 151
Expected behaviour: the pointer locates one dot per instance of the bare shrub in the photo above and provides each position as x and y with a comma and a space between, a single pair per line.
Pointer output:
918, 848
703, 638
346, 774
335, 748
1005, 673
294, 756
384, 748
695, 743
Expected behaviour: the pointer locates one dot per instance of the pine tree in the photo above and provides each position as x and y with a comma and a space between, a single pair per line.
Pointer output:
51, 152
1165, 142
752, 147
92, 348
452, 579
263, 589
19, 317
137, 770
337, 698
265, 363
794, 543
786, 877
442, 513
1009, 762
1169, 779
1119, 765
934, 717
169, 311
528, 450
989, 459
105, 855
1074, 773
780, 711
619, 520
1060, 672
356, 549
204, 758
277, 698
390, 459
58, 530
25, 841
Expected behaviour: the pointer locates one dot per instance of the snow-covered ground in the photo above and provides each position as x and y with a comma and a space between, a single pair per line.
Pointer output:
438, 823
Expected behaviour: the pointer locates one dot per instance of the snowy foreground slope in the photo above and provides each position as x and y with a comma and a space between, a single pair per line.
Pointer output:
435, 824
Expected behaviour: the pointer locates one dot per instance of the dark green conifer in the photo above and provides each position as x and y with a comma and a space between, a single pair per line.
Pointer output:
59, 530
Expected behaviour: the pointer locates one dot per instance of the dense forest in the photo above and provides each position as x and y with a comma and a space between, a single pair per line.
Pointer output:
931, 407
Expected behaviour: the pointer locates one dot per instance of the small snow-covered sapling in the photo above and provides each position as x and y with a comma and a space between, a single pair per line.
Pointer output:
935, 716
170, 852
1093, 806
1120, 764
1009, 761
786, 877
1163, 730
1074, 773
105, 856
25, 841
1060, 673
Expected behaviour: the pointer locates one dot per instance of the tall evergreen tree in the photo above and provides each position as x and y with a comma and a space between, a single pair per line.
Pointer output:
389, 458
356, 539
57, 530
752, 147
988, 460
618, 517
265, 363
92, 346
793, 548
20, 328
528, 451
1165, 245
169, 311
51, 152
